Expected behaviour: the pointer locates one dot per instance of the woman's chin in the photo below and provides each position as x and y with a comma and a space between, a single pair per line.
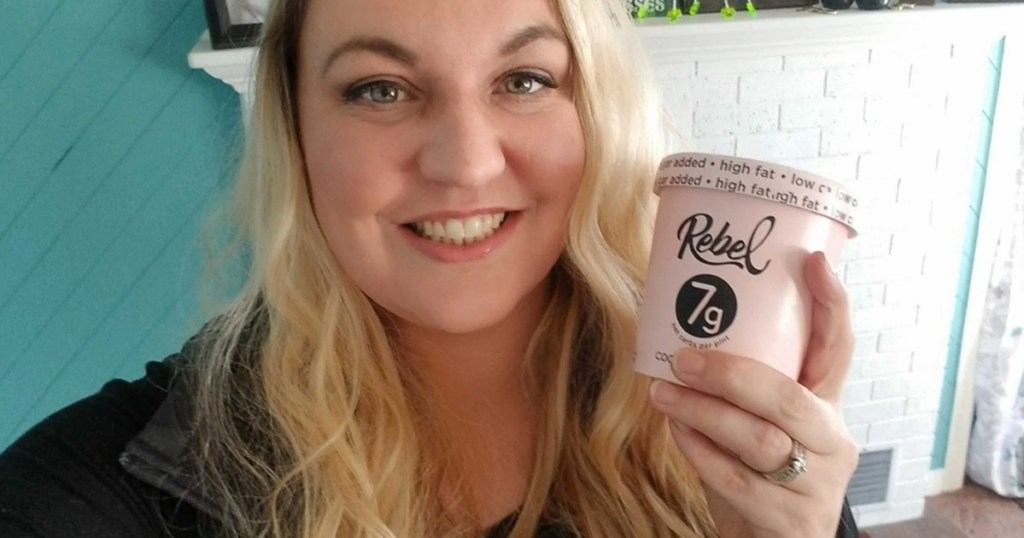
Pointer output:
468, 310
458, 321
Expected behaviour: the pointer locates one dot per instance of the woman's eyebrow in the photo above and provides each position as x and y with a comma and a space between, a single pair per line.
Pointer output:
528, 35
389, 49
377, 45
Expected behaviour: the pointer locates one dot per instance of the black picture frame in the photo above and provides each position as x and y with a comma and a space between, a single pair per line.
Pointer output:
224, 34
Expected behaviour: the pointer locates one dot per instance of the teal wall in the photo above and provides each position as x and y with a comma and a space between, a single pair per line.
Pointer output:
111, 150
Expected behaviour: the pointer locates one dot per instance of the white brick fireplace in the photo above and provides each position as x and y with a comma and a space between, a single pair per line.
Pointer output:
898, 106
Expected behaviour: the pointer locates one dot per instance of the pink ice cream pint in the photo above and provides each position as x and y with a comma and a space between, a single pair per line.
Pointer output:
726, 268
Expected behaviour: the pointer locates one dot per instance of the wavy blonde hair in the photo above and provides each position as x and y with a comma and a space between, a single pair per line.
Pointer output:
308, 422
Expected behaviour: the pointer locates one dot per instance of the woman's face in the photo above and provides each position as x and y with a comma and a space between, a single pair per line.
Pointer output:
443, 151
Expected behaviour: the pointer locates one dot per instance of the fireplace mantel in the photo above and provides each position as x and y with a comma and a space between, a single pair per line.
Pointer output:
780, 32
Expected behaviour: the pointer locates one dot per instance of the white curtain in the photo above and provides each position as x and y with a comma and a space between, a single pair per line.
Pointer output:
996, 455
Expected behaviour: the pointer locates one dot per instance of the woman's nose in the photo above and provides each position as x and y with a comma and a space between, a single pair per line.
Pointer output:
463, 146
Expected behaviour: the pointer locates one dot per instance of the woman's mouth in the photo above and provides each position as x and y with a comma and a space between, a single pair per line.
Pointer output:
459, 231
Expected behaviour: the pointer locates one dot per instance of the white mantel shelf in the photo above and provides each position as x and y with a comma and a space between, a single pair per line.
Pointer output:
771, 32
787, 31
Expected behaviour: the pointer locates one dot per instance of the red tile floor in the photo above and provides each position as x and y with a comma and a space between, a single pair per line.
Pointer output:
971, 512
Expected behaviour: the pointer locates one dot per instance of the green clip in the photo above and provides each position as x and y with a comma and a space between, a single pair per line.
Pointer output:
694, 7
674, 15
751, 8
642, 13
728, 11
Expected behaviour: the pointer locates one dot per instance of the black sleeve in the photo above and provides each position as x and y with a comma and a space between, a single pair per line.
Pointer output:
847, 525
62, 479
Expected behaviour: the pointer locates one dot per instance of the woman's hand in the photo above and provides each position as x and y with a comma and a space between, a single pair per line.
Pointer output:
737, 419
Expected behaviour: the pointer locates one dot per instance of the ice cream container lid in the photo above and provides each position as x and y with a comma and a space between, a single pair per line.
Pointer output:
762, 180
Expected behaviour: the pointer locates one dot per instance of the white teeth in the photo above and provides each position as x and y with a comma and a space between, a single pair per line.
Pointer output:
453, 231
473, 227
460, 232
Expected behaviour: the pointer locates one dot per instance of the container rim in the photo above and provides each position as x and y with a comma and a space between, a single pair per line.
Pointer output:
762, 180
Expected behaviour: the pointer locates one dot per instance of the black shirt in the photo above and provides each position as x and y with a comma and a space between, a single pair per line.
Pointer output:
64, 477
109, 466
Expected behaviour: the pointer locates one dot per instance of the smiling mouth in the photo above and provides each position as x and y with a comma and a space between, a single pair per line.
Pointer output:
460, 231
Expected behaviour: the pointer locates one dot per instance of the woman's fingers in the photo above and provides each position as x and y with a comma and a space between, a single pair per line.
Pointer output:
830, 347
763, 392
738, 418
744, 489
756, 442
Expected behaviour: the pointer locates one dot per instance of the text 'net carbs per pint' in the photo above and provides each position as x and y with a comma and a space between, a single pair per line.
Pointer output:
726, 271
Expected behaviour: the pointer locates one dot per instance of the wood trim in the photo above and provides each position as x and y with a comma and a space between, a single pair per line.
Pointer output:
1002, 168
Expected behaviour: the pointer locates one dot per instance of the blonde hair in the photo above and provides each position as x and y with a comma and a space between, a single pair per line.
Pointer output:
309, 424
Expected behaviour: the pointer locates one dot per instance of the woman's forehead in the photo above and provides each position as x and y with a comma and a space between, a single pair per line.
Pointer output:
443, 26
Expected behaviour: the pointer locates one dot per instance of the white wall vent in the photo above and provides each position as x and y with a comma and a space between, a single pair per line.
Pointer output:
872, 481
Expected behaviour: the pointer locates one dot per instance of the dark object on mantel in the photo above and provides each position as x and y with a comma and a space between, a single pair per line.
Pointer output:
660, 8
837, 4
871, 5
224, 32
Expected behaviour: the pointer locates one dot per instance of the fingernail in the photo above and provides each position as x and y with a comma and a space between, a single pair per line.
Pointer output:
688, 362
663, 393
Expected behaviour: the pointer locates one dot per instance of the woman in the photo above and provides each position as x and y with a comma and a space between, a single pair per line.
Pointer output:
447, 206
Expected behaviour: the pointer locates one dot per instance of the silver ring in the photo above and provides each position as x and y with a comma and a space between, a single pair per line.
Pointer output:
797, 466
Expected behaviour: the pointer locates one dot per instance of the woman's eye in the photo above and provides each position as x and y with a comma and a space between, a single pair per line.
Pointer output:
527, 83
379, 93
